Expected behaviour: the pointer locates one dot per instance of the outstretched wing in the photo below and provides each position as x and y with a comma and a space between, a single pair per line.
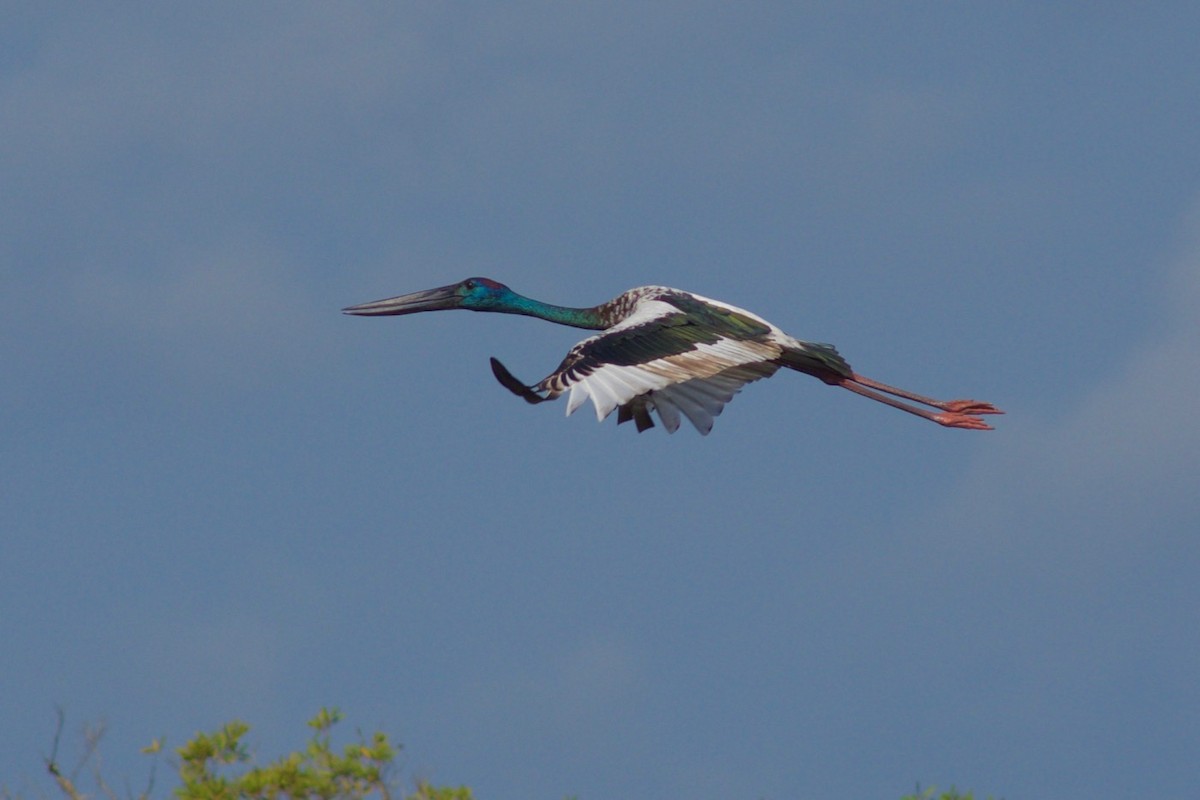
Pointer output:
676, 355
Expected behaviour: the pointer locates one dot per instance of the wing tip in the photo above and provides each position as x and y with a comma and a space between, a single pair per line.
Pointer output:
508, 381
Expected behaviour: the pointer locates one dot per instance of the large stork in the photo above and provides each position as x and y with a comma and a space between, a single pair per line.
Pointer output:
670, 352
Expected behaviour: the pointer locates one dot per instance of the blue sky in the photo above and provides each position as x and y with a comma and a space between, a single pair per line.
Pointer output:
222, 498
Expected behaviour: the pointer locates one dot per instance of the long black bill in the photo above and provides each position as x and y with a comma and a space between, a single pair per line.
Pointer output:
444, 297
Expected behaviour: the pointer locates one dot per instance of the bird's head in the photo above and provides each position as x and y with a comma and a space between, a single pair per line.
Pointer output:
475, 294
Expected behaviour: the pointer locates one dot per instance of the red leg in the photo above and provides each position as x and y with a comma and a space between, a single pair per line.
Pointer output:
953, 406
952, 418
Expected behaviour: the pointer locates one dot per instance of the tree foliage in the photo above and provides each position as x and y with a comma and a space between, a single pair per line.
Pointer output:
218, 766
933, 794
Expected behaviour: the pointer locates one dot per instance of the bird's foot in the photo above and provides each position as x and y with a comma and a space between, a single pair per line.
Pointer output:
969, 407
959, 420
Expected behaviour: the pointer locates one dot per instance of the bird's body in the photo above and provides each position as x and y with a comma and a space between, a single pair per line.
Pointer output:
666, 351
673, 353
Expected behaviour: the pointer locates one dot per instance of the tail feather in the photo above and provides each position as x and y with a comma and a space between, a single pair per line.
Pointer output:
817, 359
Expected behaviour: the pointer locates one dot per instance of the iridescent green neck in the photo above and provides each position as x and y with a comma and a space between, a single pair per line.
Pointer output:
575, 317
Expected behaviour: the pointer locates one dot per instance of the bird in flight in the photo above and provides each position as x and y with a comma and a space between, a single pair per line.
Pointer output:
670, 352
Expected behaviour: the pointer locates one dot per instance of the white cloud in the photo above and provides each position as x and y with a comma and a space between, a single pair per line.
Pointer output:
580, 686
1118, 463
229, 309
592, 674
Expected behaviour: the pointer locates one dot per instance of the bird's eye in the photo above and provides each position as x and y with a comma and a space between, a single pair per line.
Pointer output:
469, 284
